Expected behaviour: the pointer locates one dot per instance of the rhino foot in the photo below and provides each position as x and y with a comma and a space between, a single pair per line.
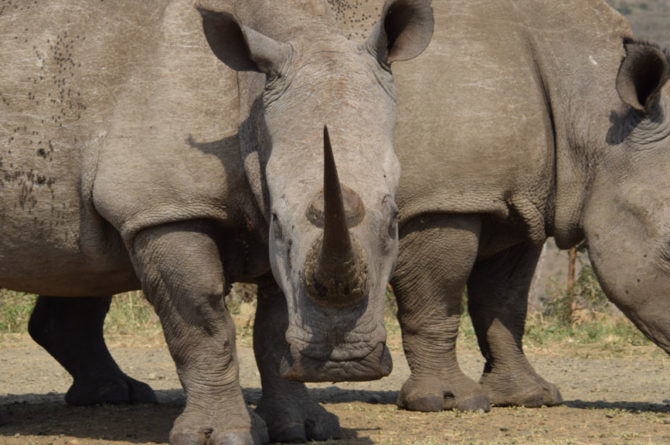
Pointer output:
118, 390
193, 429
431, 393
298, 420
478, 401
511, 390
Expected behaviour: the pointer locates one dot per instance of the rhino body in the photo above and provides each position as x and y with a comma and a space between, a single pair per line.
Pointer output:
130, 157
523, 120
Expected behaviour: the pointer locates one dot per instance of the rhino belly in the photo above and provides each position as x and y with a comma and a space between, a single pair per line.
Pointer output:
52, 244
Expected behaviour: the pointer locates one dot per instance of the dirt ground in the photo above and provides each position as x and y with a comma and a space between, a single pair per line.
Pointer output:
610, 399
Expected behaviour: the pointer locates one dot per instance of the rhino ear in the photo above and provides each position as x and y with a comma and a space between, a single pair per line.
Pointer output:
403, 31
240, 47
642, 74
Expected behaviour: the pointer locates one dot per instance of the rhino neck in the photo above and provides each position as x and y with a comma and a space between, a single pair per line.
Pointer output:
307, 18
578, 52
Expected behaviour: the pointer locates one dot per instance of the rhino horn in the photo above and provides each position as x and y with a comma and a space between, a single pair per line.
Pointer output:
336, 270
336, 240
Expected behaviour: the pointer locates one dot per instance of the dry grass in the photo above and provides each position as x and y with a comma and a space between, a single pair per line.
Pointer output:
593, 333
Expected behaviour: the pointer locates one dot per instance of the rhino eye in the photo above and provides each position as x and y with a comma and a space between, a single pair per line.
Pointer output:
393, 224
276, 227
393, 215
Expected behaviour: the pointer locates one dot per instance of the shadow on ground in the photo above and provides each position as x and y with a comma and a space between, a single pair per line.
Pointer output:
333, 394
48, 415
631, 407
130, 423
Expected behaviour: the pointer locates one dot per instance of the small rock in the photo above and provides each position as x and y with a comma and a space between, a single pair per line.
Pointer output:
666, 421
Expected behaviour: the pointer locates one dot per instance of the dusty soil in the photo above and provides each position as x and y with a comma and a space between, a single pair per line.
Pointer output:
610, 398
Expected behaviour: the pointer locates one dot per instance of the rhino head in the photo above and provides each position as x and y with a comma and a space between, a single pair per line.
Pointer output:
320, 134
626, 216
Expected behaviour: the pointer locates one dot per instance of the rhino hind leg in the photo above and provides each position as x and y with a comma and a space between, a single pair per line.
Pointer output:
436, 255
70, 329
290, 412
181, 271
497, 302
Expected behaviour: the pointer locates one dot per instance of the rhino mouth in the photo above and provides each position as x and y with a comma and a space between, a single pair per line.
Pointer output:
305, 366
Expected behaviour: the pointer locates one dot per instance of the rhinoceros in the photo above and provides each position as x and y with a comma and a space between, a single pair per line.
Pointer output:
524, 119
132, 157
549, 120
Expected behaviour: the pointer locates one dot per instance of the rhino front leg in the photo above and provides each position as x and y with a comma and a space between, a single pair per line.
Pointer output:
497, 302
436, 255
291, 414
70, 329
182, 275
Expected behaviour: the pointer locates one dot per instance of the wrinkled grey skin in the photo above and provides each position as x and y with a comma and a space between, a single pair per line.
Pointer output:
131, 157
523, 120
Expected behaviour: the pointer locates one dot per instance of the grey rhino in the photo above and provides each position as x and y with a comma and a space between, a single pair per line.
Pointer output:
525, 119
132, 158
